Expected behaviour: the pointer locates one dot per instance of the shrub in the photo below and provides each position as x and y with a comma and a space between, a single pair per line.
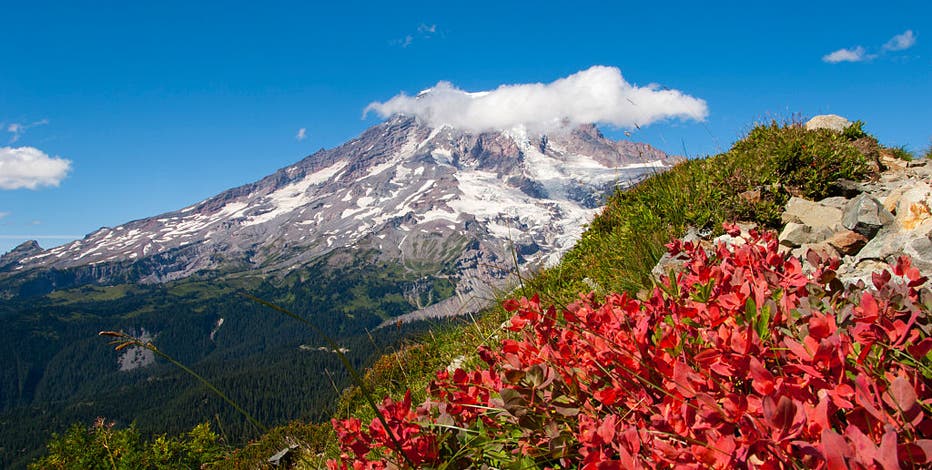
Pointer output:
901, 153
739, 361
854, 131
104, 447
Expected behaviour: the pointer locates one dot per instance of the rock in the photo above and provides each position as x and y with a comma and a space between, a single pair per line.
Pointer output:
794, 234
847, 242
884, 243
892, 163
828, 121
912, 207
893, 198
666, 264
890, 243
920, 250
847, 188
813, 214
917, 214
739, 240
837, 202
866, 215
853, 271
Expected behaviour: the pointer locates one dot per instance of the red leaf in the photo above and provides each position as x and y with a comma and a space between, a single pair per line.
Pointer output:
834, 448
821, 326
762, 378
903, 263
780, 414
606, 396
916, 453
903, 394
864, 448
798, 349
681, 374
880, 279
919, 350
864, 396
606, 430
887, 456
869, 308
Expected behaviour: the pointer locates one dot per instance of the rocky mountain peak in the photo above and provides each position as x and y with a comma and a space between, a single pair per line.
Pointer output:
432, 198
23, 250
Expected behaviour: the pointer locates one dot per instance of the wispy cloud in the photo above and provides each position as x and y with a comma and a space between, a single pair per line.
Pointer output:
599, 94
901, 42
424, 31
29, 167
855, 54
18, 128
301, 135
4, 214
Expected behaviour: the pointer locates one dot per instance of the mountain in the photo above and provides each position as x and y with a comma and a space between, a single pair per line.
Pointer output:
404, 222
437, 200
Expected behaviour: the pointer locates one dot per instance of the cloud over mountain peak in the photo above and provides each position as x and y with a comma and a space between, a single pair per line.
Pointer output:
596, 95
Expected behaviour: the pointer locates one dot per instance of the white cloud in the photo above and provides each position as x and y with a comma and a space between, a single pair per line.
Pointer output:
4, 214
855, 54
403, 42
18, 129
302, 134
858, 54
424, 31
28, 167
596, 95
901, 41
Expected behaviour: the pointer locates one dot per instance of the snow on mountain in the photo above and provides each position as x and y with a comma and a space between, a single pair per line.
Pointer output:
425, 197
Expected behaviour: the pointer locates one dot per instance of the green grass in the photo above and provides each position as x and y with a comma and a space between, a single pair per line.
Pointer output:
92, 294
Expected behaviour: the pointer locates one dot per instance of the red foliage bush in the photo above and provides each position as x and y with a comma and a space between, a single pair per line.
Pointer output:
739, 361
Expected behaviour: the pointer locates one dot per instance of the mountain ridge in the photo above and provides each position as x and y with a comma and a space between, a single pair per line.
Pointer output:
398, 176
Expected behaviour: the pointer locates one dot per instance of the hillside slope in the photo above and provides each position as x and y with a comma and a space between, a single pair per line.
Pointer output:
751, 182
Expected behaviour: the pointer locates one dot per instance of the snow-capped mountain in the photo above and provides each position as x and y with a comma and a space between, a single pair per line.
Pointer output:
430, 198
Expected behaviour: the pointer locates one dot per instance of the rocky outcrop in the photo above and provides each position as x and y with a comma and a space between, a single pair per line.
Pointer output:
867, 225
885, 219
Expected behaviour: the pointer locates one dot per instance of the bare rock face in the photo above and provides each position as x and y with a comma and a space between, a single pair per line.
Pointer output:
425, 197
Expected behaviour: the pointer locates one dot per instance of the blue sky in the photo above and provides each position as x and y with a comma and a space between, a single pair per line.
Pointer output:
158, 105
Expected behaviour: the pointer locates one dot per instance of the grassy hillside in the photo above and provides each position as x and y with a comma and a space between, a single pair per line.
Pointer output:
750, 182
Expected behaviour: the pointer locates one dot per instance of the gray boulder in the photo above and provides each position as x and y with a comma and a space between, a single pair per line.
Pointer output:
866, 215
828, 121
813, 214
